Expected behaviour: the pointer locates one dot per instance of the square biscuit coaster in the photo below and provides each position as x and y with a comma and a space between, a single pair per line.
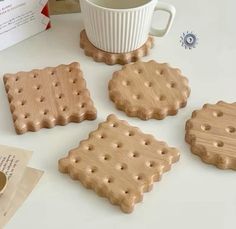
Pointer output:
114, 58
119, 162
48, 97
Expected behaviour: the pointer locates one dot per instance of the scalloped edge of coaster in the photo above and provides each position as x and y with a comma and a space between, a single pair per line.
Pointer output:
99, 55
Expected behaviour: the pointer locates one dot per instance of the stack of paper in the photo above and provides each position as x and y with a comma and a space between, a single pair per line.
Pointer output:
21, 180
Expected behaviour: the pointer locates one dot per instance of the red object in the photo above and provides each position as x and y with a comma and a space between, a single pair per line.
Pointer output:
45, 12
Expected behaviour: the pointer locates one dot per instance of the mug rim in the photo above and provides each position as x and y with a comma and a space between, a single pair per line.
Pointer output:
123, 10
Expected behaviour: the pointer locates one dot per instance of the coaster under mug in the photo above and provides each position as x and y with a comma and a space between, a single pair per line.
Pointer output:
114, 58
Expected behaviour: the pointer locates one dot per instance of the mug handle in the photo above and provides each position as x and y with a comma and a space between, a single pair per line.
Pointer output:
169, 9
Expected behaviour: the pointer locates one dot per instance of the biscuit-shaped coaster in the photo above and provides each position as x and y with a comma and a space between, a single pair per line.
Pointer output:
48, 97
114, 58
3, 182
119, 162
149, 90
211, 132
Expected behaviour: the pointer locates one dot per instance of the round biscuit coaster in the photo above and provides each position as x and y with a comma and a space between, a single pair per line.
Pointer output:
114, 58
211, 132
149, 90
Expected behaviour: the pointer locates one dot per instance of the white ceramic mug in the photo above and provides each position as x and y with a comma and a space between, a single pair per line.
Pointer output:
120, 26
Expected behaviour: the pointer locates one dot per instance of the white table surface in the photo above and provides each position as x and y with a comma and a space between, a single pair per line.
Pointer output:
193, 195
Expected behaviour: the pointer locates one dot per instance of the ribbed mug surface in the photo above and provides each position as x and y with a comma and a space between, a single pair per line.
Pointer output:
117, 30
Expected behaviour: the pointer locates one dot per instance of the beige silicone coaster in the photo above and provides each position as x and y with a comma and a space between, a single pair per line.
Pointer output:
48, 97
119, 162
3, 182
149, 90
114, 58
211, 132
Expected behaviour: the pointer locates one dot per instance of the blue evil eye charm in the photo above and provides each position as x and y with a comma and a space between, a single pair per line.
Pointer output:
189, 40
